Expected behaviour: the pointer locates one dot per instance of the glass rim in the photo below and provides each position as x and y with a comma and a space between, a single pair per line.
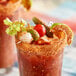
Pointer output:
52, 49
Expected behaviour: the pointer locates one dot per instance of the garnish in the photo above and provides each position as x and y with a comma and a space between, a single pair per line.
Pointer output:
65, 28
25, 37
38, 21
7, 21
54, 24
26, 33
14, 27
40, 29
26, 3
42, 41
34, 33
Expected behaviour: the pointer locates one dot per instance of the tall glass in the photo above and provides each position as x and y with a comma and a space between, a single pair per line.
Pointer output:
7, 43
40, 60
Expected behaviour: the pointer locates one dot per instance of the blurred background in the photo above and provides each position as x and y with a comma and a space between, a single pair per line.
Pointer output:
59, 11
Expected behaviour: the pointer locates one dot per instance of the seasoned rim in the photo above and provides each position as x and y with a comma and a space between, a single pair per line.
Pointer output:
54, 48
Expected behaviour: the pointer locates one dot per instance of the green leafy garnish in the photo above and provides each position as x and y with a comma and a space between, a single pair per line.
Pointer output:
7, 22
14, 27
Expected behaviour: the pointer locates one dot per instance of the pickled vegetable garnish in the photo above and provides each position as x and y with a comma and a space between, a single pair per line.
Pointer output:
34, 33
38, 21
39, 31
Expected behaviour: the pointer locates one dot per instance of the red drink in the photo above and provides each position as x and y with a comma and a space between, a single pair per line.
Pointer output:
39, 65
42, 57
40, 60
40, 48
7, 43
7, 46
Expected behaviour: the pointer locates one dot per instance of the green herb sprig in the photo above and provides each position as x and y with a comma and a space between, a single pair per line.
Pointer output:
14, 27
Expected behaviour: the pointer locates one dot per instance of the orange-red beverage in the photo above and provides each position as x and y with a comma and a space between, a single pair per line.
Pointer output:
40, 60
40, 65
7, 46
7, 43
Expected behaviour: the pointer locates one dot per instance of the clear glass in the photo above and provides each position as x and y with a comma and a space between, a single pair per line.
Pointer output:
39, 60
7, 43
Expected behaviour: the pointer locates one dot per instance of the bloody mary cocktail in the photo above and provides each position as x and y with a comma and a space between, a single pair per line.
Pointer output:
40, 47
7, 43
38, 63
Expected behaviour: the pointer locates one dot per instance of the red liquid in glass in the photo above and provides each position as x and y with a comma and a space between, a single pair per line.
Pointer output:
7, 45
33, 64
